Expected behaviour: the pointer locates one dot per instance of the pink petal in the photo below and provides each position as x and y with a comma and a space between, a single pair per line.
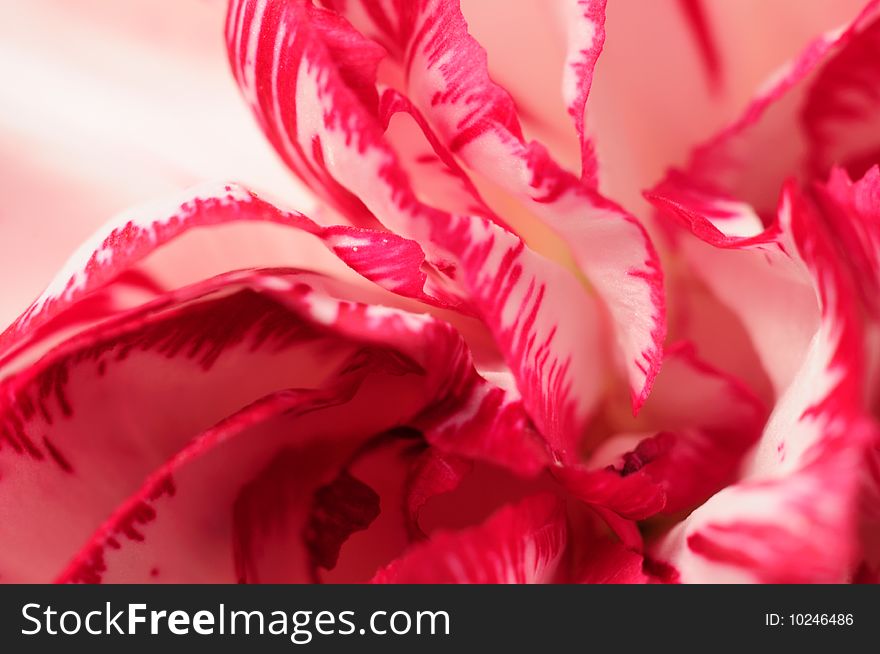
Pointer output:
752, 271
699, 317
376, 254
339, 509
385, 465
840, 113
316, 111
60, 429
794, 515
413, 362
436, 177
486, 422
223, 521
379, 256
447, 78
540, 80
817, 85
697, 18
658, 61
853, 210
632, 496
710, 420
482, 128
612, 563
601, 559
165, 338
83, 426
682, 59
433, 474
523, 300
452, 495
350, 525
586, 37
522, 543
869, 568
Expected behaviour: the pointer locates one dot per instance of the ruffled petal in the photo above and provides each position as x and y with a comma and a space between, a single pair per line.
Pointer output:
853, 212
752, 270
522, 543
308, 77
436, 176
448, 79
612, 563
216, 331
83, 426
708, 422
787, 125
631, 496
586, 37
351, 525
123, 242
599, 558
682, 59
793, 517
682, 64
344, 506
840, 113
234, 503
416, 365
433, 474
486, 421
385, 465
801, 304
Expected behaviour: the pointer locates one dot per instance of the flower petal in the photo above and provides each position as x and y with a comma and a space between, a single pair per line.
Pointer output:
470, 416
427, 362
680, 60
752, 270
347, 537
709, 422
486, 422
436, 177
384, 464
612, 563
448, 80
339, 509
243, 487
522, 543
60, 432
793, 517
381, 257
783, 124
433, 474
599, 558
657, 61
632, 497
83, 426
840, 113
853, 211
305, 70
586, 37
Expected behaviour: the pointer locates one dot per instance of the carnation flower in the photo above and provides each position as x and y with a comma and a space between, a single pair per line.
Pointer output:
554, 292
